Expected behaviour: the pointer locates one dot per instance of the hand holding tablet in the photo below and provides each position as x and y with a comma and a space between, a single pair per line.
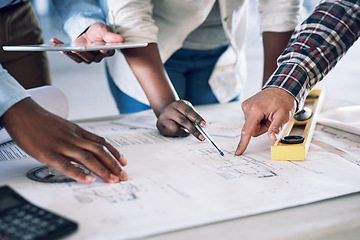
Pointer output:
74, 47
96, 43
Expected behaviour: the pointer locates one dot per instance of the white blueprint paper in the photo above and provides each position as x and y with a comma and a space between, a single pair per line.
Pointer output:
343, 118
177, 183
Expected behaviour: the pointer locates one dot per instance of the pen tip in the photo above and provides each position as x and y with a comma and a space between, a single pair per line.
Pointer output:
222, 154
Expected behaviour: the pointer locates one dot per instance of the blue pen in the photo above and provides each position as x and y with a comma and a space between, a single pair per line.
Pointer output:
207, 136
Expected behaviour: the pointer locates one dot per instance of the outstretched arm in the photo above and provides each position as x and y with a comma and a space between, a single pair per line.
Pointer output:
57, 142
133, 19
314, 49
173, 115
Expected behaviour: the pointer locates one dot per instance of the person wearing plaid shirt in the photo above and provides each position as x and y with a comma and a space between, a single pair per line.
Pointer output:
313, 50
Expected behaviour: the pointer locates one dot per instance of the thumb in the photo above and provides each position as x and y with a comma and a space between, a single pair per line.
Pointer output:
110, 37
55, 41
275, 128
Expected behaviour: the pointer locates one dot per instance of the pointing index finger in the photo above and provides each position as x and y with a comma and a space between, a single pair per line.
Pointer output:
246, 132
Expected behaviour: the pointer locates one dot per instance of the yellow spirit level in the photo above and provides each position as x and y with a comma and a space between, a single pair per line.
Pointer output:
294, 140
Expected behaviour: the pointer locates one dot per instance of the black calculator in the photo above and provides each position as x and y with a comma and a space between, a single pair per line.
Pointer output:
21, 220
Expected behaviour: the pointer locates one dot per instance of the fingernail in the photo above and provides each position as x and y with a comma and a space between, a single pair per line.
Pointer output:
273, 136
202, 138
277, 135
123, 176
114, 179
202, 123
90, 179
123, 159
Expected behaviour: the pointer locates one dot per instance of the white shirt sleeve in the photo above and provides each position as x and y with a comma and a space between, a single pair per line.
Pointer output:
77, 16
11, 91
279, 15
133, 20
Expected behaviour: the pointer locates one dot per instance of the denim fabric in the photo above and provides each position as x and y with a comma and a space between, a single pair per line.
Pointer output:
190, 70
124, 102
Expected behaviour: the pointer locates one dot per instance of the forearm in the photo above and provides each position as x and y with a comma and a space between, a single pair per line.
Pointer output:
316, 47
278, 19
274, 44
149, 71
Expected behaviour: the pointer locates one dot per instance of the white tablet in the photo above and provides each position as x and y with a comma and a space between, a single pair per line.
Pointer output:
74, 47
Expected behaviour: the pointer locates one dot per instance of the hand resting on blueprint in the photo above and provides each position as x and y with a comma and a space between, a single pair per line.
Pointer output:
178, 116
267, 111
174, 115
57, 142
97, 32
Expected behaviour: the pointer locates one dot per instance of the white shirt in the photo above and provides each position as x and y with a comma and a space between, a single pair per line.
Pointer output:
168, 22
11, 91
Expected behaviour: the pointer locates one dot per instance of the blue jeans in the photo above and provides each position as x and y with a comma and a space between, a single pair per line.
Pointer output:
189, 71
124, 102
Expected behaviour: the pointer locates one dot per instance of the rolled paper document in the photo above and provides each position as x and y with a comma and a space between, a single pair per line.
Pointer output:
50, 98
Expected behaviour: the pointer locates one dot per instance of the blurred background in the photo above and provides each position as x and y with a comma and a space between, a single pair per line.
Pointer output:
87, 90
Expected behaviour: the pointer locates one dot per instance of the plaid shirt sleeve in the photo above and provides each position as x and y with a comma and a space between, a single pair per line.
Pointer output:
316, 46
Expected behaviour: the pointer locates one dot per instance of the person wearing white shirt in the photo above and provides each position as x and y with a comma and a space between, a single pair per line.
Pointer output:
176, 117
201, 43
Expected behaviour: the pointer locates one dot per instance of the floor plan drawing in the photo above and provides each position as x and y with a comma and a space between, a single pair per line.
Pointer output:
177, 183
